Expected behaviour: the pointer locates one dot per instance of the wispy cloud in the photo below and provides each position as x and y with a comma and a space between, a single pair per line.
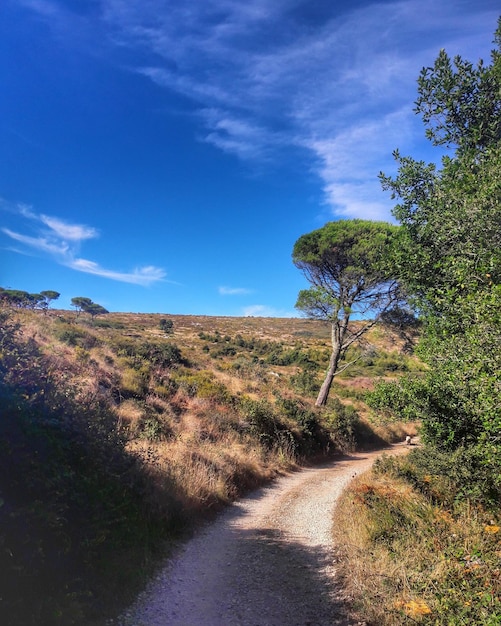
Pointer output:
61, 241
262, 310
41, 243
234, 291
73, 232
140, 276
339, 84
336, 81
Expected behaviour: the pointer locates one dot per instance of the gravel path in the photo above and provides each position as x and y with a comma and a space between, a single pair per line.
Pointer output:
266, 561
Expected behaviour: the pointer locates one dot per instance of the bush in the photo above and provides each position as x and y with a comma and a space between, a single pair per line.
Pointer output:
281, 356
344, 423
161, 354
153, 428
225, 350
201, 384
134, 383
262, 420
312, 437
75, 336
167, 326
305, 381
449, 478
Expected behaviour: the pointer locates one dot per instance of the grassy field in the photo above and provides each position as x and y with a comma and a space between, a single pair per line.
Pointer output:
120, 433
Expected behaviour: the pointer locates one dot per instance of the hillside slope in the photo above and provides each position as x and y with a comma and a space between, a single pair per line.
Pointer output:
119, 432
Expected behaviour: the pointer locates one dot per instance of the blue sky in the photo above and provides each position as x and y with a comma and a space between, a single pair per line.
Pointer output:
164, 155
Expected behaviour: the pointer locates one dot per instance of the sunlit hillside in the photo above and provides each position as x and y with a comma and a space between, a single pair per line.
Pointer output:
120, 431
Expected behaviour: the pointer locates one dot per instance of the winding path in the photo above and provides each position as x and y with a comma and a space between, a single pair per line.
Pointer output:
266, 561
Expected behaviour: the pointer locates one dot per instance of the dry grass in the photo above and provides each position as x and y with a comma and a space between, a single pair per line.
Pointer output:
196, 401
407, 561
208, 412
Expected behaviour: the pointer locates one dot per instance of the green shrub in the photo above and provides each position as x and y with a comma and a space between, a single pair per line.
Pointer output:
153, 428
343, 422
281, 356
74, 334
167, 326
449, 478
134, 383
201, 384
161, 354
225, 350
305, 381
312, 436
262, 419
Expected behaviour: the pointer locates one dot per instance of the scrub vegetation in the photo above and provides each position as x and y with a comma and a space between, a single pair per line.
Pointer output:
414, 548
421, 535
121, 432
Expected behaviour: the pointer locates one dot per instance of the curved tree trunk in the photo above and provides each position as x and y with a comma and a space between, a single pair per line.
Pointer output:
323, 394
338, 333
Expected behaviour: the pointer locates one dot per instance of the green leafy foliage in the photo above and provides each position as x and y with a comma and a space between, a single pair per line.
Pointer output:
347, 264
460, 103
305, 381
447, 478
87, 306
449, 256
344, 422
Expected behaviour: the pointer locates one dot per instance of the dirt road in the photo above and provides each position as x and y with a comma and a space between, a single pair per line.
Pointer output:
266, 561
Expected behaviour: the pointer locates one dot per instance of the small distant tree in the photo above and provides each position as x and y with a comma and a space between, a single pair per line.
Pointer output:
96, 309
24, 299
167, 326
86, 305
18, 298
348, 265
36, 300
80, 303
48, 296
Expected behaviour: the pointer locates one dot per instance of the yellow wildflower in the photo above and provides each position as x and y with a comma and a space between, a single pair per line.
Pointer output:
492, 529
416, 607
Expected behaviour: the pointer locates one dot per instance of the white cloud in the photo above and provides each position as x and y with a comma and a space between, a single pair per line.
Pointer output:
349, 164
265, 76
234, 291
60, 240
241, 137
74, 232
335, 89
144, 276
262, 310
39, 243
